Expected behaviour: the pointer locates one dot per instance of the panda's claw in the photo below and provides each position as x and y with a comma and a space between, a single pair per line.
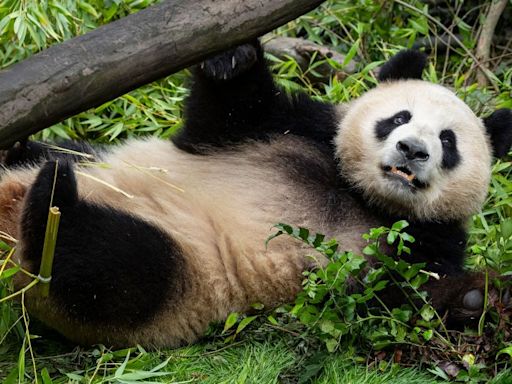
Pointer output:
232, 63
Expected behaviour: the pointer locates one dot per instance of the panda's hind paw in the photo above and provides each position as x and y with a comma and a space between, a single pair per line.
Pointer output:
230, 64
467, 305
13, 155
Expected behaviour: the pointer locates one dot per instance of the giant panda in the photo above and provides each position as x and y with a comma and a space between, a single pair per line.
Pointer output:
159, 238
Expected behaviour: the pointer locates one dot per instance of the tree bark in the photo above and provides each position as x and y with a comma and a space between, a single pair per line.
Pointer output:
483, 48
91, 69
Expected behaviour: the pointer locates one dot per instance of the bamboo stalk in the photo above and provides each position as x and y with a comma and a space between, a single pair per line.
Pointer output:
50, 240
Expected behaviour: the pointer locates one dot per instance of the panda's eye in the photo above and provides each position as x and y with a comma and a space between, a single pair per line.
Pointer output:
399, 120
447, 142
451, 156
447, 138
385, 126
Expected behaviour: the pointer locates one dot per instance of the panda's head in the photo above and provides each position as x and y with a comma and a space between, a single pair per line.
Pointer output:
415, 149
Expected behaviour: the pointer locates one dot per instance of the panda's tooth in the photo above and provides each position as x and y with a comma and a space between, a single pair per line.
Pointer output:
402, 174
233, 62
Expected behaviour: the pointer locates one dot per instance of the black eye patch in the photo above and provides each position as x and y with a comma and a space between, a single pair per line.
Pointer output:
386, 126
451, 157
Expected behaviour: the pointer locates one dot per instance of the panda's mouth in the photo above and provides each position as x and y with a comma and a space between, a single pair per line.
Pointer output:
405, 175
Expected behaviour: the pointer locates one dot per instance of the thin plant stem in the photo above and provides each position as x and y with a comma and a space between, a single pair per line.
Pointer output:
21, 291
27, 335
6, 260
481, 321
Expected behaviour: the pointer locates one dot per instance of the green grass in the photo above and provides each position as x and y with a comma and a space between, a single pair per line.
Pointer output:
367, 31
250, 361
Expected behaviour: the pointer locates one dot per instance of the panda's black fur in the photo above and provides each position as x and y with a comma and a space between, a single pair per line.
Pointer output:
249, 107
148, 286
117, 243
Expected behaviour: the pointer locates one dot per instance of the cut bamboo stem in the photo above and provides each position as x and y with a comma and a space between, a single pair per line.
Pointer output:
50, 240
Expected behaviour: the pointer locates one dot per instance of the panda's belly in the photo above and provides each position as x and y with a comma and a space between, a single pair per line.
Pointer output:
221, 209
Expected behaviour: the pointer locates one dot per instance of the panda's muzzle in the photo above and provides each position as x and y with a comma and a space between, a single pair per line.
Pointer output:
412, 149
405, 175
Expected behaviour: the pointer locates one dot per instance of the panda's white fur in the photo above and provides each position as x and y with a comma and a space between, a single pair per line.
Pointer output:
220, 207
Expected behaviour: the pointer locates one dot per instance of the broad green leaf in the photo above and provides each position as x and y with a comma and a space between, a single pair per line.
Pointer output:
244, 323
9, 272
399, 225
45, 376
122, 367
331, 344
230, 321
506, 228
505, 351
427, 312
351, 53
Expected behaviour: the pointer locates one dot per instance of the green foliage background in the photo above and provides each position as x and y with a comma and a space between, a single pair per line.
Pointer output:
367, 32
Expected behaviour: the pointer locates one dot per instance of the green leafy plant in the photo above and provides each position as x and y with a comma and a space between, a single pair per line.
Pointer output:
10, 324
332, 306
343, 303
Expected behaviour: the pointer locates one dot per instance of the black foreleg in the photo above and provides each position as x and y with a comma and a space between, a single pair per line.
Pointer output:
232, 94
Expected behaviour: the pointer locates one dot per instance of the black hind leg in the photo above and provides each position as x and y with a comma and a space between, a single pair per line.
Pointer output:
26, 152
110, 268
458, 298
462, 297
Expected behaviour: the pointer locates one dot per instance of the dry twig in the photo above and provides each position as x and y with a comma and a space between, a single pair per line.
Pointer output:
483, 48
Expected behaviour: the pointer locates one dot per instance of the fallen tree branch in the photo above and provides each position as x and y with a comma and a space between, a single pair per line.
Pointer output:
89, 70
302, 51
483, 48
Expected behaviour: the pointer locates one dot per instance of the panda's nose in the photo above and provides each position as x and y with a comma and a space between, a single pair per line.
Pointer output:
413, 149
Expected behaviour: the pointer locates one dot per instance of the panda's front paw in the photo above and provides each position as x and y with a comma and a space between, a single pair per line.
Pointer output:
231, 63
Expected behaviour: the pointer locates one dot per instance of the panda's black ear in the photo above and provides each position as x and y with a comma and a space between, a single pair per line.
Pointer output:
407, 64
499, 129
